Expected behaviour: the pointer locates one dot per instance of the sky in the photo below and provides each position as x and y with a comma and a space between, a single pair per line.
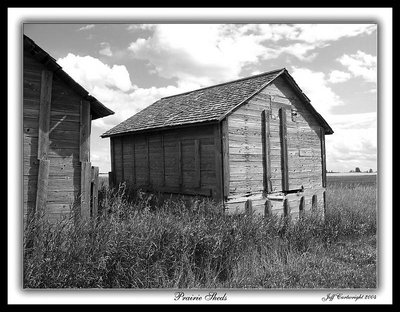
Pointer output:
129, 66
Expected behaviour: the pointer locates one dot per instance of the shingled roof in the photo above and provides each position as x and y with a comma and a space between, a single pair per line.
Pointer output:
210, 104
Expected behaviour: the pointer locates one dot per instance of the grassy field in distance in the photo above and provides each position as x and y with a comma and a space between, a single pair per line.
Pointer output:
351, 179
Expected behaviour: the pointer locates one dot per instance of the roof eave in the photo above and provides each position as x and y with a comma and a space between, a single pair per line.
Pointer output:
324, 123
161, 128
98, 109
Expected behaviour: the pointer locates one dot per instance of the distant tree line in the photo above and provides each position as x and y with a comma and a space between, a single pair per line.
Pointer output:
358, 170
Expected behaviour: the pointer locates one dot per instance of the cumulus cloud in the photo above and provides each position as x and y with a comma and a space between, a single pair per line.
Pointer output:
354, 143
134, 27
361, 65
112, 86
200, 55
322, 33
92, 73
307, 33
87, 27
337, 76
190, 52
105, 49
315, 86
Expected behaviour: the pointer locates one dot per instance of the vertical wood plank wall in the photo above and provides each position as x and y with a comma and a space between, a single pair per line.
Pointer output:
178, 161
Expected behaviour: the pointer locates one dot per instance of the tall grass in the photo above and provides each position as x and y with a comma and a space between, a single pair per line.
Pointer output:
152, 241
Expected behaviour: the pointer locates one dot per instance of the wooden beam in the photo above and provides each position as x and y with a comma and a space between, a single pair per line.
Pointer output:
284, 151
122, 159
180, 173
179, 190
133, 161
225, 156
42, 185
218, 162
111, 179
44, 113
248, 207
323, 156
95, 191
301, 207
147, 155
197, 177
268, 208
84, 130
286, 208
85, 189
43, 141
266, 149
162, 161
84, 157
314, 203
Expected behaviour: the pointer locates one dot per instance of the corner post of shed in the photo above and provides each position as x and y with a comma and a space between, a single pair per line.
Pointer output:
84, 158
225, 152
266, 148
219, 192
43, 141
111, 174
323, 156
284, 151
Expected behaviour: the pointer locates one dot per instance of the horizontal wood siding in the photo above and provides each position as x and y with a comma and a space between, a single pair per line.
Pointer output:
303, 163
298, 204
181, 161
246, 173
64, 148
32, 76
62, 168
303, 139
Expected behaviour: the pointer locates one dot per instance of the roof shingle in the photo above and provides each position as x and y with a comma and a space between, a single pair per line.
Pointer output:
202, 105
205, 105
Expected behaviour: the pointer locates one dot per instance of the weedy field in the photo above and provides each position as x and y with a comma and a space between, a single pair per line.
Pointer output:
153, 241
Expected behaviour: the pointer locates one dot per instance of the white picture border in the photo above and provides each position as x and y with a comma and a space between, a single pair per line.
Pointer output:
18, 16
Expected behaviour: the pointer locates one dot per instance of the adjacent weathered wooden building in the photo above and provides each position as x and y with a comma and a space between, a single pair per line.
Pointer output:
57, 115
256, 144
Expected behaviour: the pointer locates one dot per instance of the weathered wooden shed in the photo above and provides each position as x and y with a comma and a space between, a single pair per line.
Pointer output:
57, 115
256, 144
